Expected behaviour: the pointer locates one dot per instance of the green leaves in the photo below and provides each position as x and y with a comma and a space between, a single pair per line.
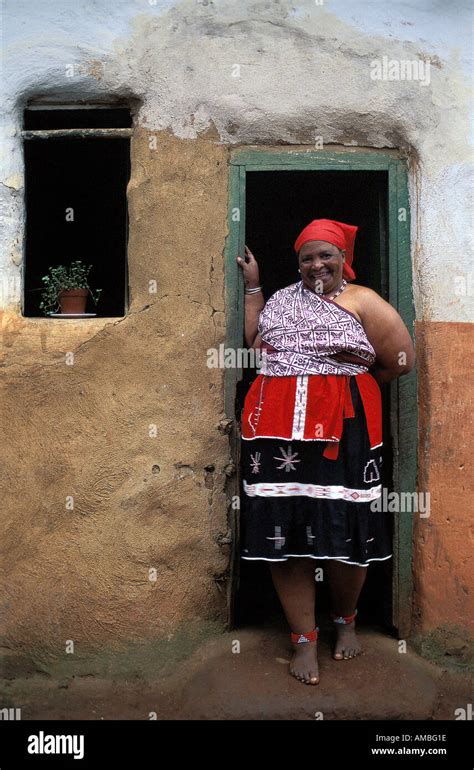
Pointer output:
73, 276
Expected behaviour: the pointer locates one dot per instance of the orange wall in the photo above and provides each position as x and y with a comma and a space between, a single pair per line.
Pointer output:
443, 543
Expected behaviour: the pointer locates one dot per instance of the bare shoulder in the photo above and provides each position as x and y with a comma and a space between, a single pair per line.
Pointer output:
367, 299
362, 291
377, 315
385, 329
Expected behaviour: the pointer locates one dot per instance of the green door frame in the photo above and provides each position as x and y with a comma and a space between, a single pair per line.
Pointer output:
403, 391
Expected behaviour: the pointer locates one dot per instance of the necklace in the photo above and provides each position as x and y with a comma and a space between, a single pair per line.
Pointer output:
340, 290
336, 294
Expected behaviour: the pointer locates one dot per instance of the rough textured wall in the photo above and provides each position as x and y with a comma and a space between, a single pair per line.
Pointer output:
83, 430
265, 73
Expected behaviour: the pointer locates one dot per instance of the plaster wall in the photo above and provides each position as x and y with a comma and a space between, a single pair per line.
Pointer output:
203, 77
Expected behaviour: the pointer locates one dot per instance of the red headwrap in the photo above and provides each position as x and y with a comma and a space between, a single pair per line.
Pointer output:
337, 233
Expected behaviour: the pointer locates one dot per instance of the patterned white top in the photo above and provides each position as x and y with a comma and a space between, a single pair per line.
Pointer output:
306, 329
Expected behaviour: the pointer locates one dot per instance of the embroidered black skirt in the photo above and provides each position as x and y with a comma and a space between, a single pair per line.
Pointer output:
298, 503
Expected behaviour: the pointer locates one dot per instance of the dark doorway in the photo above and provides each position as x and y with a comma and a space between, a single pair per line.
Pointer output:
278, 205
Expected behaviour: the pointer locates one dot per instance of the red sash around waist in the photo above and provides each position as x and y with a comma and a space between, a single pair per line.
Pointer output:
310, 408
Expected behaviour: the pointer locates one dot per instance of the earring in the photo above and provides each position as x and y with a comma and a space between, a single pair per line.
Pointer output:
299, 271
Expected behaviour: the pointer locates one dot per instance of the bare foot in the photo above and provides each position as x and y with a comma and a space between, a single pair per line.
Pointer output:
304, 664
347, 644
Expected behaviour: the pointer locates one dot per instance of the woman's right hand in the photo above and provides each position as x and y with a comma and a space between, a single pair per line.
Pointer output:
250, 270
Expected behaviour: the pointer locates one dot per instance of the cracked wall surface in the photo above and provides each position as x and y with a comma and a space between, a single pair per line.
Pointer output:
140, 501
303, 72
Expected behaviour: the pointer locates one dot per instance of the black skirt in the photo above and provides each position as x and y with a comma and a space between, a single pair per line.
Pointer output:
297, 503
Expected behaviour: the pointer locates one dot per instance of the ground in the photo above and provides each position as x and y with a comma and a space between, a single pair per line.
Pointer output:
212, 682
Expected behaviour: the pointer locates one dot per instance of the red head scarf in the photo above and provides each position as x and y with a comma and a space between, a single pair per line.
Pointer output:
337, 233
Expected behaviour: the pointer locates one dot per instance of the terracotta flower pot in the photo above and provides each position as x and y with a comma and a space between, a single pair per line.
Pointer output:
73, 300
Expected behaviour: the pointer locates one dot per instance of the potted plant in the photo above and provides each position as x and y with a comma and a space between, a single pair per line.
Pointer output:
66, 289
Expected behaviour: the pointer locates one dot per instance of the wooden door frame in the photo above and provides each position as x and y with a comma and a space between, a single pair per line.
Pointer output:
403, 391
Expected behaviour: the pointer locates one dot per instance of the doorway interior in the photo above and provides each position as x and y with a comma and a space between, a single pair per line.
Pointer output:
273, 195
278, 205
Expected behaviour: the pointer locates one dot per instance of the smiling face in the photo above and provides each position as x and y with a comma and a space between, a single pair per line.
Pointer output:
321, 265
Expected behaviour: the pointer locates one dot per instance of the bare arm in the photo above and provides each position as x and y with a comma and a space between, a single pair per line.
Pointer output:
388, 335
254, 303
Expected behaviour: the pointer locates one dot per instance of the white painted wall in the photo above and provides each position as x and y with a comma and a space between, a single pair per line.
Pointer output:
304, 72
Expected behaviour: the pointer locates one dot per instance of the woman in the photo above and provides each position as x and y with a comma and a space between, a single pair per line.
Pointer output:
312, 434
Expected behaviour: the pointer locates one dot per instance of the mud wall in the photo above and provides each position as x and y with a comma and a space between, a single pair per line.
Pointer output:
201, 78
130, 430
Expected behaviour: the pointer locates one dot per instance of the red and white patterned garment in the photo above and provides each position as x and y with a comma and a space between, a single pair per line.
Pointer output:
301, 332
312, 437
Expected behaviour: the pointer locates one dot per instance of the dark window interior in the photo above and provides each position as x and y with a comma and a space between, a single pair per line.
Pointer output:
104, 117
278, 205
89, 175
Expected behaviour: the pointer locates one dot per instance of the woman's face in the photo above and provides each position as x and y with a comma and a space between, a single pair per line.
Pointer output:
321, 266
